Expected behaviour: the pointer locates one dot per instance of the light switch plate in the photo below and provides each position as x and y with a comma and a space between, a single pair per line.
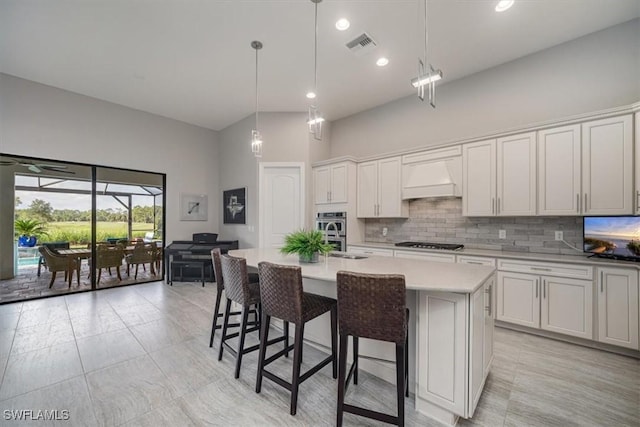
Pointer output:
502, 234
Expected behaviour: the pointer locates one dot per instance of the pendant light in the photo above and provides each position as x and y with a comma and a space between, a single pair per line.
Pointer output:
427, 75
315, 117
256, 138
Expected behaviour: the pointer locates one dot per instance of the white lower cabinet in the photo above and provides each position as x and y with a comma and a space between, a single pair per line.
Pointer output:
455, 350
555, 304
617, 295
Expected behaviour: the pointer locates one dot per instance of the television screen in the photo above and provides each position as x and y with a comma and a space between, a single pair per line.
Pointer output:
617, 236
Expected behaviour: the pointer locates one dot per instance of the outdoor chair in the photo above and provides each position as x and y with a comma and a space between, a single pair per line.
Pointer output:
56, 263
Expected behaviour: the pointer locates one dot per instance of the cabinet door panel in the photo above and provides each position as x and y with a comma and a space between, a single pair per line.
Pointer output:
479, 178
321, 185
519, 299
390, 187
618, 307
559, 191
607, 176
516, 175
367, 189
567, 306
442, 350
339, 189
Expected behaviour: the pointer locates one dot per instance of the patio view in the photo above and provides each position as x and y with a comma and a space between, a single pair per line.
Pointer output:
77, 228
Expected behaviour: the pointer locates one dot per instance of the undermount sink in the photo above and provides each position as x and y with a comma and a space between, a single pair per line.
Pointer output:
346, 255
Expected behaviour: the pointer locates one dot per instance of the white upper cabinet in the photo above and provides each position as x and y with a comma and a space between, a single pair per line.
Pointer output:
607, 161
559, 171
499, 176
330, 183
380, 189
479, 178
516, 175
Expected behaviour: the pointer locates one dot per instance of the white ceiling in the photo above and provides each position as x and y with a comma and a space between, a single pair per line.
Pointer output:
192, 60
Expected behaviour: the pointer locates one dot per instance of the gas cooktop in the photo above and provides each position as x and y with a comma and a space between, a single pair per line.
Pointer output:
429, 245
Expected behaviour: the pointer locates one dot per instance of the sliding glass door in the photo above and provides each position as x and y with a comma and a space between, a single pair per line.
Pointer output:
68, 227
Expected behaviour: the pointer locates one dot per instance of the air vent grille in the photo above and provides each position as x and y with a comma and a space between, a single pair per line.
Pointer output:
361, 44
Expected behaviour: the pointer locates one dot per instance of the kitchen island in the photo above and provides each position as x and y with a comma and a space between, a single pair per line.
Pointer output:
451, 325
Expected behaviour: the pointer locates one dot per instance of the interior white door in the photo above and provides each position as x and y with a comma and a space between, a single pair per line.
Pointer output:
281, 202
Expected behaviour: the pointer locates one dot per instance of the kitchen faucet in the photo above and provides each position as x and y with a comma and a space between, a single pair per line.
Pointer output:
326, 231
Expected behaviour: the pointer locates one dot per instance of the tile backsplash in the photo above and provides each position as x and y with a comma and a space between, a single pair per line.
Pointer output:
440, 220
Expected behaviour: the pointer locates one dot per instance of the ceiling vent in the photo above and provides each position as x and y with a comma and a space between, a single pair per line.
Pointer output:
362, 44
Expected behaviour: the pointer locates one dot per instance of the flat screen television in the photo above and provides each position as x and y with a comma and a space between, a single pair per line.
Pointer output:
616, 237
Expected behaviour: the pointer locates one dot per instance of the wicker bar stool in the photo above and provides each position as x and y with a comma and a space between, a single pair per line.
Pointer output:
372, 306
283, 298
217, 271
239, 290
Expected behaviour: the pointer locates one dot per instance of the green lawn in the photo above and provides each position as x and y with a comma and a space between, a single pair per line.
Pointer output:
80, 232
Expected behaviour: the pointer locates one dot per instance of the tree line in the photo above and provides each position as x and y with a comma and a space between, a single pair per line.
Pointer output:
42, 211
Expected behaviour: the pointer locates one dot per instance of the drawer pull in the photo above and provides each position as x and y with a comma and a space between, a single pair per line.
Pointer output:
474, 262
541, 268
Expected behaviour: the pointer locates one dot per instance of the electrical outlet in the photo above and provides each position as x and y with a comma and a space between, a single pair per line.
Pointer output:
559, 235
502, 234
385, 230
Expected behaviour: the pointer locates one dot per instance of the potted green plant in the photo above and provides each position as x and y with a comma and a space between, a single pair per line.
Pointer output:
28, 231
308, 244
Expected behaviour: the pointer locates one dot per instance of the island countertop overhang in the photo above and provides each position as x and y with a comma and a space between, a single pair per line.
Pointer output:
419, 275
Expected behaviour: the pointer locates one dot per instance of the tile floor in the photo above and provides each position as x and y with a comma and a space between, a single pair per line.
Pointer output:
139, 356
27, 284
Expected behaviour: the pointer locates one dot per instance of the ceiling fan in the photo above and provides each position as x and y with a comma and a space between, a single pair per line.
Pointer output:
37, 167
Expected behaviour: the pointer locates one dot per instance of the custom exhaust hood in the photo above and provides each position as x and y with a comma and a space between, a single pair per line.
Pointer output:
436, 173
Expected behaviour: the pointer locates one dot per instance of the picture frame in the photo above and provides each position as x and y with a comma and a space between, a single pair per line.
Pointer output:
234, 206
194, 207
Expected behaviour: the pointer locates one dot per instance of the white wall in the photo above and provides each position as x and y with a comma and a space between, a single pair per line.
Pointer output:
595, 72
286, 139
42, 121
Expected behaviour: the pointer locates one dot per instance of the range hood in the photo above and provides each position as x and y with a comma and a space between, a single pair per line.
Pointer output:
428, 177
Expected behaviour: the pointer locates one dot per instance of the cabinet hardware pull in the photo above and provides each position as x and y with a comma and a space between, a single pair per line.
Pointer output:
330, 196
498, 209
585, 203
544, 288
541, 268
474, 262
489, 308
601, 281
638, 200
578, 203
493, 205
536, 288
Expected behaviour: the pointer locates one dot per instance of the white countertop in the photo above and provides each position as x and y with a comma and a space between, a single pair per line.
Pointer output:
578, 258
419, 275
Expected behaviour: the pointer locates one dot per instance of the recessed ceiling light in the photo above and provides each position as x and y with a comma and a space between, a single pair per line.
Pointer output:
311, 95
381, 62
342, 24
504, 5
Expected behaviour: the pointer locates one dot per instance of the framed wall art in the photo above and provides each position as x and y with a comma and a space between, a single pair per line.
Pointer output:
234, 204
193, 207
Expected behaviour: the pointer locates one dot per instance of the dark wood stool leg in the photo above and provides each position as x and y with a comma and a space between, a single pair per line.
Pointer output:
216, 310
334, 341
342, 373
297, 361
400, 351
225, 326
406, 366
264, 337
243, 333
355, 360
285, 330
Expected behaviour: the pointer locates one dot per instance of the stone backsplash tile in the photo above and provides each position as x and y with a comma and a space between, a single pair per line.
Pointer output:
441, 221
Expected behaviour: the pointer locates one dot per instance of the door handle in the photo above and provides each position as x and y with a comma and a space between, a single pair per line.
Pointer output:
585, 203
544, 289
601, 282
489, 307
536, 288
